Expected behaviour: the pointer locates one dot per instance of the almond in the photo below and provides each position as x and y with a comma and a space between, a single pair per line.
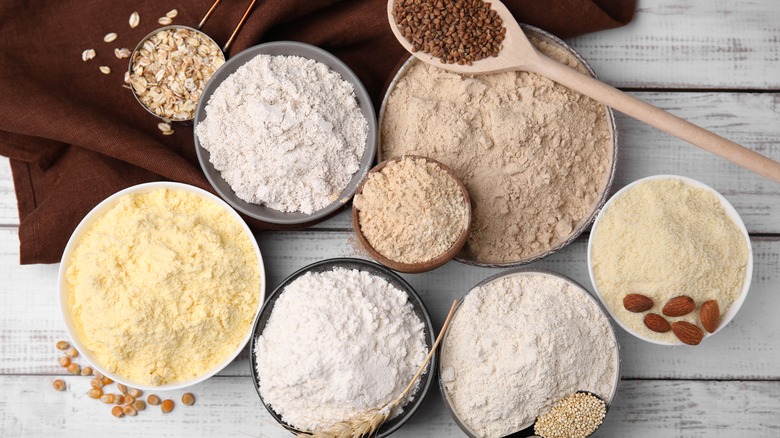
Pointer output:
679, 306
657, 323
687, 332
709, 315
637, 303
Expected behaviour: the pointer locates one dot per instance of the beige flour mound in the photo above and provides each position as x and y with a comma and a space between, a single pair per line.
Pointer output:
665, 238
163, 287
411, 211
534, 155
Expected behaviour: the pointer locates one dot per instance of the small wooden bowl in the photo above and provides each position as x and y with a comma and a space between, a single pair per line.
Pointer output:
422, 266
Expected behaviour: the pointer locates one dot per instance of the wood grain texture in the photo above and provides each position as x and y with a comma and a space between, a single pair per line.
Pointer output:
751, 119
30, 320
229, 407
690, 44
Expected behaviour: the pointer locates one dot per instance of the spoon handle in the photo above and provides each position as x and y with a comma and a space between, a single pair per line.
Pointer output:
657, 117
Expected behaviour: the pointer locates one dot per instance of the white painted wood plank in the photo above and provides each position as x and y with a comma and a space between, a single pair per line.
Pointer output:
752, 119
229, 406
690, 44
30, 322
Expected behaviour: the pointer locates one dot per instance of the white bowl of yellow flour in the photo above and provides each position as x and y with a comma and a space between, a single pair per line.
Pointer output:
159, 285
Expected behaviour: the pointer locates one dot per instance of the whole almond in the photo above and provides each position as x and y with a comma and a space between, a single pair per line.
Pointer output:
657, 323
687, 333
637, 303
709, 315
679, 306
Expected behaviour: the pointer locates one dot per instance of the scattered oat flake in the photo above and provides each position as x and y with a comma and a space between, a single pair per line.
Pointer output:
168, 132
172, 13
127, 77
105, 69
134, 20
110, 37
162, 126
165, 21
122, 53
87, 54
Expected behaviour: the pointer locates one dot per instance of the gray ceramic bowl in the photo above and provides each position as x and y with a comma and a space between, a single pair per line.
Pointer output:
261, 212
528, 430
391, 277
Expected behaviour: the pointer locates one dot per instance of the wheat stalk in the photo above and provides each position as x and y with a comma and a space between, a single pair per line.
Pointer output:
367, 423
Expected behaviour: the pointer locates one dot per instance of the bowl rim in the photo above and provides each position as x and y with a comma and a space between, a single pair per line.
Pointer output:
74, 240
522, 271
610, 116
418, 267
363, 100
731, 212
422, 391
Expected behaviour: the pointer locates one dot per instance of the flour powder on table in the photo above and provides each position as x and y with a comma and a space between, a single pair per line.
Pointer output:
285, 132
337, 344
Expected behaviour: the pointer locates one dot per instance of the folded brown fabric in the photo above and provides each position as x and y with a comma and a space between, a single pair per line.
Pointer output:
75, 135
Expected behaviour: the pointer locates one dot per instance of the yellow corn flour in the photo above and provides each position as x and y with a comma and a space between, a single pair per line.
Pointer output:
163, 287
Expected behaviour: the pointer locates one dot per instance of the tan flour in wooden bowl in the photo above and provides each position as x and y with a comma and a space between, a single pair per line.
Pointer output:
535, 156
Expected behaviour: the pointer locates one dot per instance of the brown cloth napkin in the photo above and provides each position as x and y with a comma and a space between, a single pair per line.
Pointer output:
75, 136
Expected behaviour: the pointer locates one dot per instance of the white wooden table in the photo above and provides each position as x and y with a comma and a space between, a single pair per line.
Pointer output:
715, 62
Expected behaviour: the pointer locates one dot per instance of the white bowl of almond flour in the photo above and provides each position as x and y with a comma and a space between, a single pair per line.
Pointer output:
336, 339
284, 132
537, 158
670, 259
520, 342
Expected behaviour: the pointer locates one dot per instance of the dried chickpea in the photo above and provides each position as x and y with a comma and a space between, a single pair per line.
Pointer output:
117, 412
167, 406
72, 353
58, 385
188, 399
120, 399
96, 383
95, 393
122, 388
139, 405
64, 362
106, 380
108, 398
74, 368
153, 400
129, 399
62, 345
130, 410
98, 375
86, 371
136, 393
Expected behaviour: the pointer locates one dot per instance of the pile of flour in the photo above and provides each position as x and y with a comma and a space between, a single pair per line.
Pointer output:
285, 132
338, 344
518, 345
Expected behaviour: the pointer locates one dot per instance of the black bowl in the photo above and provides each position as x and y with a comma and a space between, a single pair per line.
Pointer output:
391, 277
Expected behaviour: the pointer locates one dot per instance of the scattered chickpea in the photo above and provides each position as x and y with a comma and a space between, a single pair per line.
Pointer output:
72, 353
129, 399
117, 412
86, 371
188, 399
120, 399
96, 383
139, 405
106, 380
122, 388
74, 368
108, 399
62, 345
58, 385
98, 375
95, 393
136, 393
64, 362
167, 406
153, 400
129, 410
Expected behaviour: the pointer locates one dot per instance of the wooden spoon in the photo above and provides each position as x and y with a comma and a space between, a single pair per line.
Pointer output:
519, 54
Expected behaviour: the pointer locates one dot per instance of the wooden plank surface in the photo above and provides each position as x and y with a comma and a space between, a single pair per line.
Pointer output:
229, 407
30, 321
690, 44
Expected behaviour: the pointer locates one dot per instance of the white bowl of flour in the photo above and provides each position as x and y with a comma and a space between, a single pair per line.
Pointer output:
519, 342
284, 132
